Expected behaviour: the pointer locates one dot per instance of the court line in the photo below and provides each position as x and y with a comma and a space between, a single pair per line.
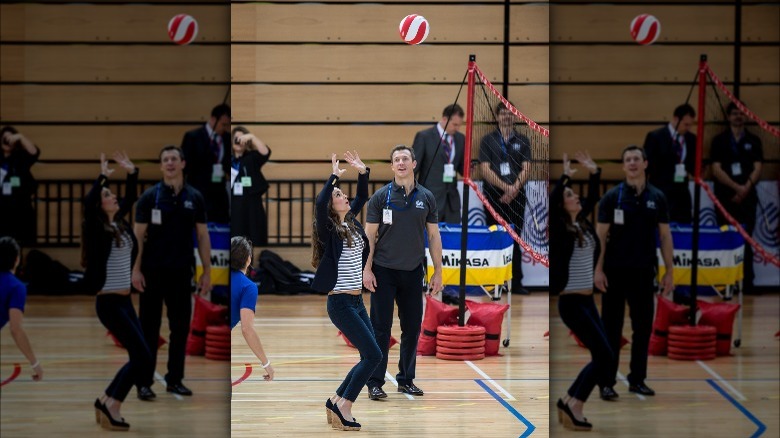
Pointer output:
722, 381
623, 379
390, 378
750, 416
14, 375
530, 427
247, 373
160, 379
492, 382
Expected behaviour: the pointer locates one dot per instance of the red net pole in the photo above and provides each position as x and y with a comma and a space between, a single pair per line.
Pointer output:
464, 217
697, 189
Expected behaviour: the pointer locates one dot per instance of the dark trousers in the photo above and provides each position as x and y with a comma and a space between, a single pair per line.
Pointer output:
405, 288
635, 287
514, 217
348, 314
175, 289
745, 214
117, 314
581, 316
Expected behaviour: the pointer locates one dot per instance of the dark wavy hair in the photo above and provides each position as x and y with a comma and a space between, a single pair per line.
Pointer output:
559, 213
102, 218
345, 232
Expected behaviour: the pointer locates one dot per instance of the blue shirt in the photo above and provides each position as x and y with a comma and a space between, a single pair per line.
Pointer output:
243, 295
13, 294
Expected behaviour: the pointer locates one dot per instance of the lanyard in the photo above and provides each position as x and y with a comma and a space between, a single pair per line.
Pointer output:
157, 195
408, 204
735, 143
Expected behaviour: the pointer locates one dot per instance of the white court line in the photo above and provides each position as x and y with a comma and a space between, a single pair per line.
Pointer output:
623, 379
492, 382
308, 400
722, 381
390, 378
160, 379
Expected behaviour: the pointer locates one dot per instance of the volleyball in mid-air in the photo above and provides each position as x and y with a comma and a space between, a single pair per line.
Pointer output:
182, 29
645, 29
414, 29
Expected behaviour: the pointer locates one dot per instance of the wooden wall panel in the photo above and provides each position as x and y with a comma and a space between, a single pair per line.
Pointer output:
109, 103
531, 100
634, 63
108, 63
526, 64
761, 64
368, 63
362, 23
761, 23
610, 23
529, 23
108, 23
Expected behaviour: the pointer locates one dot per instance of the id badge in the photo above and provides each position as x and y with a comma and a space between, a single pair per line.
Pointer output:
679, 173
736, 169
246, 181
504, 169
6, 189
387, 216
619, 216
15, 181
449, 173
238, 189
157, 216
217, 173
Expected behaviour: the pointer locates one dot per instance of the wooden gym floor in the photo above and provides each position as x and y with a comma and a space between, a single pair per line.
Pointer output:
735, 396
503, 396
79, 361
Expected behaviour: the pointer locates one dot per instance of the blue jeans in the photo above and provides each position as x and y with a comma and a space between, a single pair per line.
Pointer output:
580, 314
348, 314
117, 314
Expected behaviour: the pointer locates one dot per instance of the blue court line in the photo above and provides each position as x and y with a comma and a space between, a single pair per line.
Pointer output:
751, 417
531, 427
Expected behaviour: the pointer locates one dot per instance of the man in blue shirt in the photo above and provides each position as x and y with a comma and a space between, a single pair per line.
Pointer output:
13, 295
243, 299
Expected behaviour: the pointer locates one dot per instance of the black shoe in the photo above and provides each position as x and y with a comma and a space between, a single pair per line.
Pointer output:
376, 392
410, 388
341, 423
178, 388
520, 290
145, 393
608, 393
566, 417
641, 388
106, 420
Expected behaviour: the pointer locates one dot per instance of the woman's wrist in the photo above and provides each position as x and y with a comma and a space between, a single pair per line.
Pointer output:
36, 364
266, 365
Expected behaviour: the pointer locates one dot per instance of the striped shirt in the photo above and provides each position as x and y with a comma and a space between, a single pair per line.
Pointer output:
581, 264
350, 275
118, 269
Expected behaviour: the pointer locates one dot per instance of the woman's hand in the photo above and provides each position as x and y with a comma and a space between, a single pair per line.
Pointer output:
567, 169
585, 160
354, 160
123, 160
104, 169
247, 141
335, 161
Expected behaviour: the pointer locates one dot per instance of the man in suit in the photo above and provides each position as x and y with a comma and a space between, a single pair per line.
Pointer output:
671, 156
439, 152
207, 153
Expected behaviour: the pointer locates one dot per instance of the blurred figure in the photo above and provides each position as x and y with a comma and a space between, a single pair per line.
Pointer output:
247, 213
18, 186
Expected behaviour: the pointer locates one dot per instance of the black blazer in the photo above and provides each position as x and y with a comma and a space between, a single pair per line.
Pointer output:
661, 157
97, 239
446, 194
562, 241
327, 271
196, 146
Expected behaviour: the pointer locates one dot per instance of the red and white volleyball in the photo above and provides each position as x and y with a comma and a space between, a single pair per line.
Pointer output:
645, 29
182, 29
414, 29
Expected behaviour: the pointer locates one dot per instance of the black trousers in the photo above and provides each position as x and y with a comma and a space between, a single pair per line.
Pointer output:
174, 288
405, 288
745, 214
635, 287
581, 316
117, 314
513, 213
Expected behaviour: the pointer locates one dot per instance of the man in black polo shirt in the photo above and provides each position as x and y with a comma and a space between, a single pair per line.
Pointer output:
398, 216
736, 165
166, 214
630, 216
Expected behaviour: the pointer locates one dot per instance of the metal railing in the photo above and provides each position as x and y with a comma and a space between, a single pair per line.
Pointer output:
289, 206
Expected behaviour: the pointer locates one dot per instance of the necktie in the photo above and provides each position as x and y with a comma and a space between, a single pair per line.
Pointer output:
447, 146
215, 147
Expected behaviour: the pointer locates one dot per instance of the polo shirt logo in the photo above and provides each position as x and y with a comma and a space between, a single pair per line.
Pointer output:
419, 204
651, 204
516, 146
188, 205
748, 146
